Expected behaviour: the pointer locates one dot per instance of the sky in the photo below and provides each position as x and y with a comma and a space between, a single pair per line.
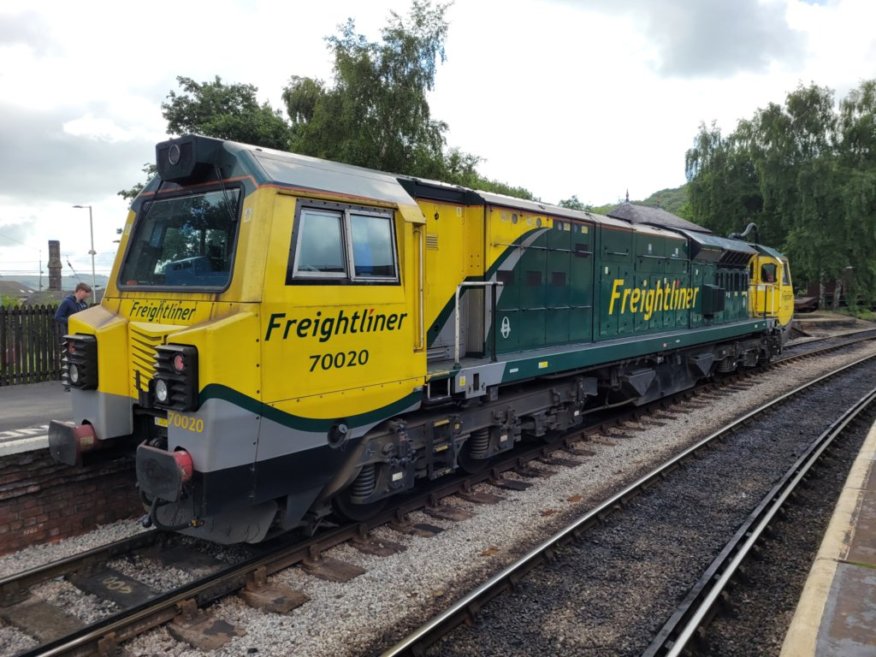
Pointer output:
563, 97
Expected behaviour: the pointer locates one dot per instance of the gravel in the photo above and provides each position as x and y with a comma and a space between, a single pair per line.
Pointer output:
763, 603
398, 593
13, 641
609, 594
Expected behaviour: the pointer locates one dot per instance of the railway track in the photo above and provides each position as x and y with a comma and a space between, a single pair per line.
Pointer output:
470, 608
250, 575
695, 612
835, 341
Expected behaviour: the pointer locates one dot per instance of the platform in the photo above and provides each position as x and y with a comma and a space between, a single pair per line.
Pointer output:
25, 412
836, 615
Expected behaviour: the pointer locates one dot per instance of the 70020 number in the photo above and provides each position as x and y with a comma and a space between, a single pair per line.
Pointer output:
338, 360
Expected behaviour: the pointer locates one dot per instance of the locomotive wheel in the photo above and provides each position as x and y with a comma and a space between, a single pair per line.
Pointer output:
349, 510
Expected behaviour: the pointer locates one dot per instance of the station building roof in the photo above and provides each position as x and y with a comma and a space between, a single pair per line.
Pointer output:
643, 214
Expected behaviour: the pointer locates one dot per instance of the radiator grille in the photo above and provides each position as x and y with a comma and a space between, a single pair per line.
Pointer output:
143, 343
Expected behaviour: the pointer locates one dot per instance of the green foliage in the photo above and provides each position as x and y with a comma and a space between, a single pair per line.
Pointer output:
130, 194
805, 173
497, 187
375, 114
216, 109
226, 111
573, 203
672, 200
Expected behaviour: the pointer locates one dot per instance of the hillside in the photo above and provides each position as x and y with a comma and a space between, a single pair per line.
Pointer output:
67, 282
671, 200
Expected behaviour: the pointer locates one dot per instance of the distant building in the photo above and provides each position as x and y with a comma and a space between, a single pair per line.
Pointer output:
46, 297
643, 214
15, 291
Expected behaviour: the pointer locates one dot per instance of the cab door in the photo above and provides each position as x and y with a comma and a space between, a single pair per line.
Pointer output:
785, 294
338, 328
765, 274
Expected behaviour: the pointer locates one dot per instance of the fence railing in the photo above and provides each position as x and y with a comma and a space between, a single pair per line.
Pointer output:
30, 345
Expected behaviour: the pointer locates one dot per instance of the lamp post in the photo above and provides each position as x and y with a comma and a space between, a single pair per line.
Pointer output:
92, 252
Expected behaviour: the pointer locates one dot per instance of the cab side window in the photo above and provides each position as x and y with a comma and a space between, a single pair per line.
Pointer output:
320, 245
768, 273
332, 243
372, 246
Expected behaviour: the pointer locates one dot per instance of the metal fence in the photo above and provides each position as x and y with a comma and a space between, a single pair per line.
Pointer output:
30, 349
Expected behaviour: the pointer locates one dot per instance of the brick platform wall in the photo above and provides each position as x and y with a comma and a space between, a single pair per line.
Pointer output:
43, 501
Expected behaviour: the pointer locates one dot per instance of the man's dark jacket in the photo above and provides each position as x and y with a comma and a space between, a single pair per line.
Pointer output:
68, 306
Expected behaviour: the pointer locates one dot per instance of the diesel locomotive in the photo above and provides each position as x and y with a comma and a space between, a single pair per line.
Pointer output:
283, 337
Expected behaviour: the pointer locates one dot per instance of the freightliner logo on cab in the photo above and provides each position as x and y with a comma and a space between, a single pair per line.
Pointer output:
325, 326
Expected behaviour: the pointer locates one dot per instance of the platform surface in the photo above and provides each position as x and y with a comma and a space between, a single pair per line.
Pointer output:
25, 413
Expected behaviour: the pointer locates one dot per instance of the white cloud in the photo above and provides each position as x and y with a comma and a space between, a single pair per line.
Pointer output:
101, 129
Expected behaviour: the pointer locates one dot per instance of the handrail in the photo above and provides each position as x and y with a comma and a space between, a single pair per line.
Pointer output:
459, 287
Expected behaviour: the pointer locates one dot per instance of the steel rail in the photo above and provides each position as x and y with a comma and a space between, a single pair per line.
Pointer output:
855, 338
678, 631
467, 606
132, 622
12, 586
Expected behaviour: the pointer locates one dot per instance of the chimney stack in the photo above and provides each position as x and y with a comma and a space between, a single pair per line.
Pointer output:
55, 265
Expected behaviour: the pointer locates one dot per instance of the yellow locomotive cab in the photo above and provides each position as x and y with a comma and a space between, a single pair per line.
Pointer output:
772, 293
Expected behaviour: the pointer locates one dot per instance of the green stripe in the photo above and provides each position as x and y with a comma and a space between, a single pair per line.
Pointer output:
593, 354
443, 316
217, 391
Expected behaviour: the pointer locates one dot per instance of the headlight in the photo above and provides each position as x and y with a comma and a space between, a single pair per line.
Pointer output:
80, 358
161, 391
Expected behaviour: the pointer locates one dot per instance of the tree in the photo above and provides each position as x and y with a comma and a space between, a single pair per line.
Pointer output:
573, 203
216, 109
376, 115
130, 194
224, 111
856, 149
722, 184
806, 174
674, 200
